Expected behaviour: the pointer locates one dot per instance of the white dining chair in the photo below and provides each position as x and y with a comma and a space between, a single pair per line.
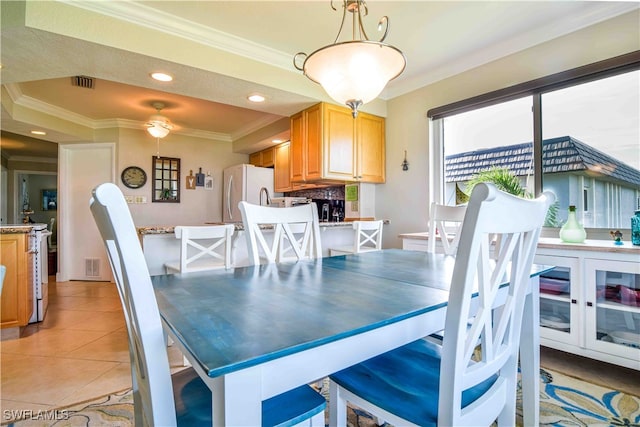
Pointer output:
445, 221
471, 379
162, 399
202, 248
367, 237
280, 234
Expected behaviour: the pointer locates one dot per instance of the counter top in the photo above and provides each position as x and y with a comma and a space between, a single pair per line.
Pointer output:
19, 228
168, 229
556, 243
589, 245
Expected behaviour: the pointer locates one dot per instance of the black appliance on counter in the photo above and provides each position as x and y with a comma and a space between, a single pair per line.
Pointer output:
330, 210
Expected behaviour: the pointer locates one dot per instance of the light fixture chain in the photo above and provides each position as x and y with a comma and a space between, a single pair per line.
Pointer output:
360, 25
344, 15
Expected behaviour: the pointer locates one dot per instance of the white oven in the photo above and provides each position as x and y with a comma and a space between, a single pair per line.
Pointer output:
38, 246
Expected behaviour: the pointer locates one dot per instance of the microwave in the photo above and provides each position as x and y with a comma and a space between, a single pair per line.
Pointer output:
287, 202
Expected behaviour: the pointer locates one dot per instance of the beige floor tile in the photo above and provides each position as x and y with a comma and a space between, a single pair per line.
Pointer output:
83, 320
116, 379
113, 347
47, 380
50, 342
86, 303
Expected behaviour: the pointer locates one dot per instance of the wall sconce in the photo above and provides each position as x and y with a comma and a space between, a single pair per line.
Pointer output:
405, 163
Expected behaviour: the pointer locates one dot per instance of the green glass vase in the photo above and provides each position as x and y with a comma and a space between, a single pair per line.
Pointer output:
572, 231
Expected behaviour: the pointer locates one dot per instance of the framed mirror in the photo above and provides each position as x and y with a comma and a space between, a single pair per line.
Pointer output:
166, 180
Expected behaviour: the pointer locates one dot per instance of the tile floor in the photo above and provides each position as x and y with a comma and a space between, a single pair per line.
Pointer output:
79, 352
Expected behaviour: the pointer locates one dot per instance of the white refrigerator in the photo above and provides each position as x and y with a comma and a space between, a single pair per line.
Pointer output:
244, 182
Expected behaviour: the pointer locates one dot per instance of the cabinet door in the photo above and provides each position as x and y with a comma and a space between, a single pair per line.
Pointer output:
560, 299
370, 143
267, 155
297, 148
313, 140
282, 173
613, 307
255, 159
17, 291
339, 144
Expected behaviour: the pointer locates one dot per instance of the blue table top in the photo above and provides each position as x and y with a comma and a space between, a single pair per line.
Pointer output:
233, 319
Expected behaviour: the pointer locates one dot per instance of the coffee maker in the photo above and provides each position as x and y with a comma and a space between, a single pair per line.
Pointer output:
330, 210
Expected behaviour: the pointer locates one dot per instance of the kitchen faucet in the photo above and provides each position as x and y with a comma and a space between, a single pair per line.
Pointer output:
265, 191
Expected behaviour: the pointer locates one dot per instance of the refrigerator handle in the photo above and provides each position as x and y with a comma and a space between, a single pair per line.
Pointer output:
229, 197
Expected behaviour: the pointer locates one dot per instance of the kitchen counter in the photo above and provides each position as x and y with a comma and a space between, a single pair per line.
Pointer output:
18, 228
168, 229
160, 245
418, 241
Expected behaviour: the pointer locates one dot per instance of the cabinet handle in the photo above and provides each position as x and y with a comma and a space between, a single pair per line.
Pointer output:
573, 301
589, 304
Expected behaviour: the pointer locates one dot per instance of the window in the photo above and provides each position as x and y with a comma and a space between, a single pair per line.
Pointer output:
595, 128
587, 153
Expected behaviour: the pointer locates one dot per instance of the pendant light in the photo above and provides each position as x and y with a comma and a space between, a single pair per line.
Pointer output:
158, 126
354, 72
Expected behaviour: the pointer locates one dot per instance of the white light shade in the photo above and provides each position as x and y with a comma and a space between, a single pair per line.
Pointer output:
158, 126
355, 70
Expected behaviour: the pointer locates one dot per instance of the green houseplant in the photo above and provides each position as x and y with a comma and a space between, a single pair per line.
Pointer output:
507, 181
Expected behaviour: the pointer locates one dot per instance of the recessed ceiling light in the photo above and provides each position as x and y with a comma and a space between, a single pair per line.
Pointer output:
162, 77
256, 98
277, 141
38, 132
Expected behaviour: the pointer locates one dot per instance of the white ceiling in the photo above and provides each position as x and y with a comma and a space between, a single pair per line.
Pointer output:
221, 51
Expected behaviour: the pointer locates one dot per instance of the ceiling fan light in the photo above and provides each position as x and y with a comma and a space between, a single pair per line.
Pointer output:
158, 126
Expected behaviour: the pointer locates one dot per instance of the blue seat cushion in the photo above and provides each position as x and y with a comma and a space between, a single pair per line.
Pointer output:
405, 382
193, 403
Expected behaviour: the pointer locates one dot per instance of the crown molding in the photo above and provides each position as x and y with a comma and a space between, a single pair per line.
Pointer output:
14, 92
32, 159
156, 20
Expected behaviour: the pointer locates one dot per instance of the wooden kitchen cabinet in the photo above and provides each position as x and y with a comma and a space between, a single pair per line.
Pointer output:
306, 145
17, 292
263, 159
328, 145
281, 170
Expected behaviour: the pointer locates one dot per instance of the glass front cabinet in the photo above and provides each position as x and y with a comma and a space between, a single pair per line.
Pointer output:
559, 296
590, 303
613, 306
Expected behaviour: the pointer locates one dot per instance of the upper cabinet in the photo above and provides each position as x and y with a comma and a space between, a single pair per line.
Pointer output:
282, 169
264, 158
306, 145
327, 144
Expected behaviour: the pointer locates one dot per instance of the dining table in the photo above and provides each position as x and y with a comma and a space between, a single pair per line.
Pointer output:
254, 332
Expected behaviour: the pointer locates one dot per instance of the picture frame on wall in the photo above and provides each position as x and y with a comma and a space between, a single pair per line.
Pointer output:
208, 182
49, 200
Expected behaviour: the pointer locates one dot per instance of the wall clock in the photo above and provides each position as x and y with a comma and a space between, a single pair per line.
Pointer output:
133, 177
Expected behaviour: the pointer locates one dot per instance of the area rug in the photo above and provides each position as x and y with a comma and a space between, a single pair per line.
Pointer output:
564, 401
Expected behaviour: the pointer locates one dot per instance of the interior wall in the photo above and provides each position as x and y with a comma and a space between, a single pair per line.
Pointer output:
137, 148
404, 199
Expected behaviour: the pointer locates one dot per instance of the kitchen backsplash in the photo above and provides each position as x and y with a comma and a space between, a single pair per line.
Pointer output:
329, 193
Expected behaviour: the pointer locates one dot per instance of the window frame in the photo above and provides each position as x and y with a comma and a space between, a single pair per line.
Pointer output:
534, 88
